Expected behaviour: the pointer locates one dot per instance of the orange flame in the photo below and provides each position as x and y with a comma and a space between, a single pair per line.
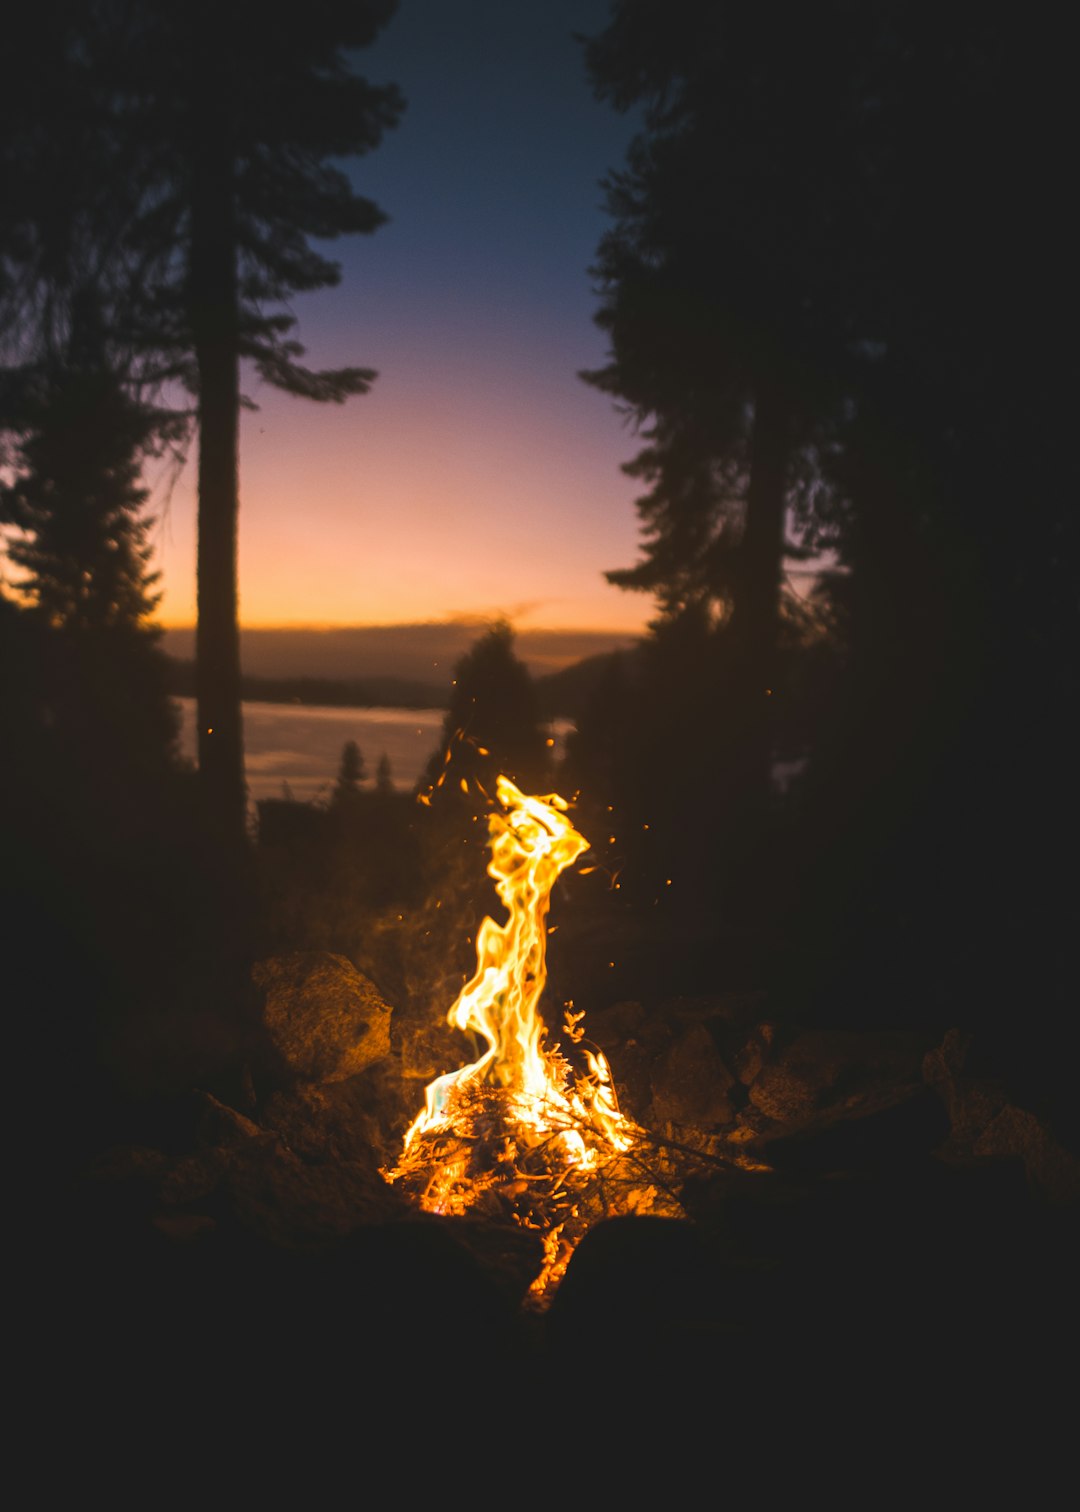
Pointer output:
575, 1118
530, 845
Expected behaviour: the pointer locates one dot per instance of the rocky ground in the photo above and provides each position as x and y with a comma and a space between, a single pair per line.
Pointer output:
858, 1210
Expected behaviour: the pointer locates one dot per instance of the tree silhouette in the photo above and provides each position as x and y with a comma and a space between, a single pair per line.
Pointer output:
865, 206
492, 724
215, 133
74, 507
351, 773
718, 282
384, 782
76, 498
958, 599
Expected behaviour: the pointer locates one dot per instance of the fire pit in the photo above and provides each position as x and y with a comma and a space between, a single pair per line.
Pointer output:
527, 1133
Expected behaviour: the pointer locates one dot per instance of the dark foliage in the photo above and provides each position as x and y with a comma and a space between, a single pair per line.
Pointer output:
125, 923
209, 142
165, 172
75, 499
492, 725
862, 209
351, 773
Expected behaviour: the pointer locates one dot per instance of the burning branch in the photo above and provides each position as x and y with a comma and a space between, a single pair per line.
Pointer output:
518, 1135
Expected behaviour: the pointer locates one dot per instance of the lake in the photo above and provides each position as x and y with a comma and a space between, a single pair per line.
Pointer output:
295, 749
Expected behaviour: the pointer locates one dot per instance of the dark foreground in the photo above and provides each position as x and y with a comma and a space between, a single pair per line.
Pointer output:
905, 1265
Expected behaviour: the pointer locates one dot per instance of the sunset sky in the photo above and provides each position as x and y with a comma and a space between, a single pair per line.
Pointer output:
480, 475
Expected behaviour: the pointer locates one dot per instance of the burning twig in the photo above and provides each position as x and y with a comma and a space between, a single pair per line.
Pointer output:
518, 1132
518, 1135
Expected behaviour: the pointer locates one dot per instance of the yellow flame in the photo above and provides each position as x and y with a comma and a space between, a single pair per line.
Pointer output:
518, 1132
573, 1119
532, 842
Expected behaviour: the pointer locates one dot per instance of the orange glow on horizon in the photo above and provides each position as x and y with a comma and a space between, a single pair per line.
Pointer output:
427, 500
633, 626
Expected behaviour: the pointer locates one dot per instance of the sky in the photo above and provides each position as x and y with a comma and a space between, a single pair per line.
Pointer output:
480, 476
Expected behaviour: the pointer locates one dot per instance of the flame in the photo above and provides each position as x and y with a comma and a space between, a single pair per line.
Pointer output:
519, 1121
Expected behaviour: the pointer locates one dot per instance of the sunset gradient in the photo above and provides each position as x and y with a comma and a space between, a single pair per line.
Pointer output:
480, 476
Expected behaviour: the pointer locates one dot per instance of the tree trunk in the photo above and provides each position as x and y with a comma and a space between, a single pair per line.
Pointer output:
756, 615
214, 316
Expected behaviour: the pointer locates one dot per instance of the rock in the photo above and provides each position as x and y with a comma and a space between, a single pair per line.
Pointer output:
888, 1139
785, 1093
193, 1177
690, 1085
984, 1123
325, 1019
823, 1075
429, 1050
1051, 1171
632, 1039
624, 1020
971, 1100
417, 1291
337, 1121
648, 1289
754, 1053
295, 1204
511, 1256
219, 1125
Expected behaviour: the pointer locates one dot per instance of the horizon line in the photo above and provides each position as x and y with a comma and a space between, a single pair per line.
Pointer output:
465, 621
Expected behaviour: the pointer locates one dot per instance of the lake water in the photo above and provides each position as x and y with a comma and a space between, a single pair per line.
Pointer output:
295, 749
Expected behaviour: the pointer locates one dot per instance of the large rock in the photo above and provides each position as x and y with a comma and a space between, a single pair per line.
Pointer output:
290, 1202
986, 1124
972, 1098
220, 1125
324, 1018
266, 1190
431, 1049
349, 1120
651, 1290
691, 1083
822, 1075
1052, 1171
632, 1039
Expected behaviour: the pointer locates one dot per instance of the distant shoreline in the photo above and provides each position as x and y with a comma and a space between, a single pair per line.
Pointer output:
421, 654
325, 692
560, 695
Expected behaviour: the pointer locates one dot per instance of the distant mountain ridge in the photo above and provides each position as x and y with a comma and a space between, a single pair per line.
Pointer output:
560, 695
423, 654
329, 692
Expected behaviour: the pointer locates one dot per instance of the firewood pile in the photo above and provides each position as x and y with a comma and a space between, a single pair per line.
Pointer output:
490, 1162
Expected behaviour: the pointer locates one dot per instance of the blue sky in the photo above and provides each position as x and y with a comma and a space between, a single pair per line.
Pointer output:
480, 475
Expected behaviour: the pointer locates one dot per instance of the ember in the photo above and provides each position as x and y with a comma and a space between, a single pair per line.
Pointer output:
522, 1134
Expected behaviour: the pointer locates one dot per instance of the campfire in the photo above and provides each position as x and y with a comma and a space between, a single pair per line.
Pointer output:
528, 1133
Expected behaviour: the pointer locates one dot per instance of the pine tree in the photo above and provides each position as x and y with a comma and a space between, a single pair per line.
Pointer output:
76, 499
384, 782
732, 232
216, 132
493, 724
351, 773
74, 509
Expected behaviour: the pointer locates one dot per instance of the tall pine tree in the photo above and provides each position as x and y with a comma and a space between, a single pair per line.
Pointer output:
717, 281
216, 134
76, 500
493, 723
